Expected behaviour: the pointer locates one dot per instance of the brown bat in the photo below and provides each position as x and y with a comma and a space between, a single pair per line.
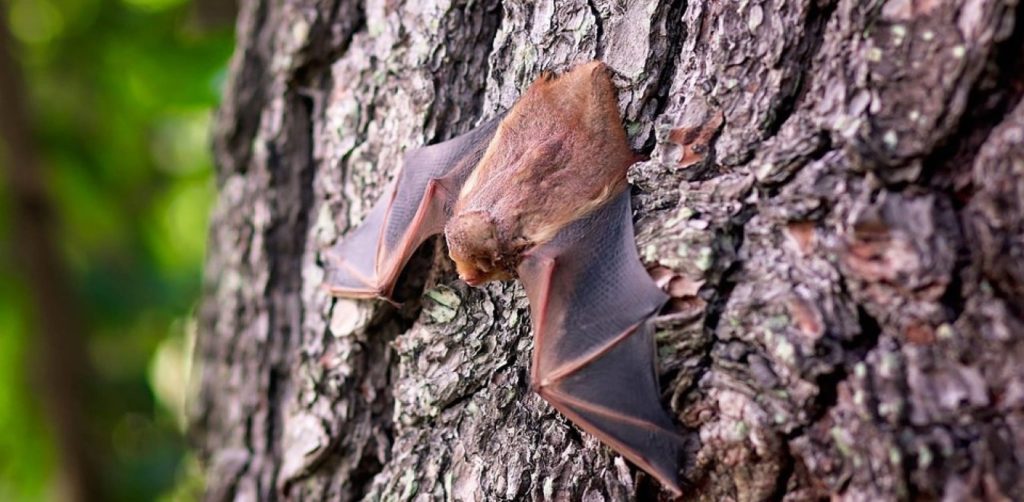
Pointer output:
541, 195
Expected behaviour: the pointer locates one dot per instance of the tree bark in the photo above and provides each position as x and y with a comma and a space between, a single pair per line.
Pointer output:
835, 196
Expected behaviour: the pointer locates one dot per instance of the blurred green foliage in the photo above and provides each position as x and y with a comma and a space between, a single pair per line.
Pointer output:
121, 93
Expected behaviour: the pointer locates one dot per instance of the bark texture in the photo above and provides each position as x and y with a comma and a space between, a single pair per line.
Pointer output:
834, 197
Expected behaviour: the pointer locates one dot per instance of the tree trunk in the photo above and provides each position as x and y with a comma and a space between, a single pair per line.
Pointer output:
835, 190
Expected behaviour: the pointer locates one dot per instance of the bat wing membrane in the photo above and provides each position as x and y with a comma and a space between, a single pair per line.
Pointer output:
593, 360
366, 262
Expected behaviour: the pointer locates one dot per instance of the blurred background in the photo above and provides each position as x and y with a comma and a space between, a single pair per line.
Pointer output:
106, 182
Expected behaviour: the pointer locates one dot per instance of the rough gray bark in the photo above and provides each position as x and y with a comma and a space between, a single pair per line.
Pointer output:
834, 197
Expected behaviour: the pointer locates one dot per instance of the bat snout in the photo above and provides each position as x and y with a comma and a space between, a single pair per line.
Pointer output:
475, 276
468, 274
472, 281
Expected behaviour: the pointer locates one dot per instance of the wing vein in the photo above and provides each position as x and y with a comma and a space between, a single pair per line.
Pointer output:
358, 275
541, 320
614, 415
381, 250
587, 358
563, 405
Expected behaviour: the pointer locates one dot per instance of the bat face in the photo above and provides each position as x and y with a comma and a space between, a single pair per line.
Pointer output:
480, 252
560, 153
540, 195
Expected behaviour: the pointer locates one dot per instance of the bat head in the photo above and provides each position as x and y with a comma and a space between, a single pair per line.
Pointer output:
476, 247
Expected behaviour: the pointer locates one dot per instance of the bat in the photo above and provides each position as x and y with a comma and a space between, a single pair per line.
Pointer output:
540, 194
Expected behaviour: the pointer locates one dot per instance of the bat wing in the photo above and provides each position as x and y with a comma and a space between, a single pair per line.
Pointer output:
367, 261
593, 356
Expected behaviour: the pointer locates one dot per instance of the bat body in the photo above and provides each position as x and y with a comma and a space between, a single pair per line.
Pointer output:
540, 195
